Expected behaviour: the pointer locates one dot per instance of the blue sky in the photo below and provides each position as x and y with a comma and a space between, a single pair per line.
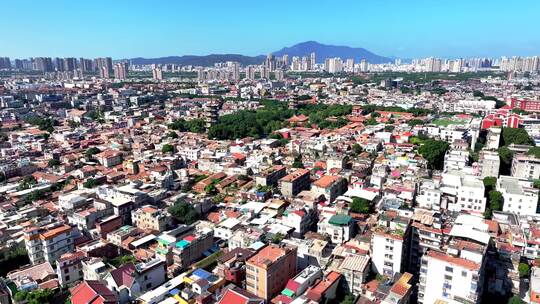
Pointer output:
403, 28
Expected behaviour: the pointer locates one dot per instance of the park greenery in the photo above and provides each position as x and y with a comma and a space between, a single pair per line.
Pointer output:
297, 163
523, 269
516, 136
53, 163
422, 78
90, 152
272, 116
90, 183
366, 109
495, 203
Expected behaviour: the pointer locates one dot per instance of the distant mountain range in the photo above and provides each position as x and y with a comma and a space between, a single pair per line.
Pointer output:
207, 60
322, 51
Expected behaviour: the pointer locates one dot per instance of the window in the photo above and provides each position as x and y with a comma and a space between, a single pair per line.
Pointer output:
449, 269
463, 273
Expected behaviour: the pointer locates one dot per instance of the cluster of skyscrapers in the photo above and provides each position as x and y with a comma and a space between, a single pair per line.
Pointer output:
520, 64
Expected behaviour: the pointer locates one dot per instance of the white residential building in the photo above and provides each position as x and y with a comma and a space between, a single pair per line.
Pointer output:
226, 228
520, 196
387, 251
466, 192
490, 163
456, 275
339, 227
455, 160
355, 270
448, 278
429, 195
526, 166
49, 243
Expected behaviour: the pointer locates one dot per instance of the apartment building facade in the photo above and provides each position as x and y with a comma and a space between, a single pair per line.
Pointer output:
267, 271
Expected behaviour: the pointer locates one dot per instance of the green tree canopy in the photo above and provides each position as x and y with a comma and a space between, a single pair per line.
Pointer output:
194, 125
516, 136
360, 205
506, 156
535, 151
297, 163
123, 260
172, 134
52, 163
496, 200
167, 148
27, 182
433, 151
90, 152
515, 300
37, 296
415, 122
523, 269
90, 183
489, 183
357, 149
183, 212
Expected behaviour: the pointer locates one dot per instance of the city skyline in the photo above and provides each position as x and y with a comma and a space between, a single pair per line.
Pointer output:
129, 30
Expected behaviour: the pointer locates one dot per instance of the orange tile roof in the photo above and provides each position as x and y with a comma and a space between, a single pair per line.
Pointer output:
295, 175
267, 256
402, 286
454, 260
55, 232
326, 181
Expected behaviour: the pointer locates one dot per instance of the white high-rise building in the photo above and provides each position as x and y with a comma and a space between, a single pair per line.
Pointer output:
433, 64
296, 64
349, 65
456, 274
335, 65
157, 73
250, 72
387, 252
364, 66
235, 70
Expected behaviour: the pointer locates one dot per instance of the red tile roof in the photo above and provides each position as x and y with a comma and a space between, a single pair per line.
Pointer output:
237, 295
92, 292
